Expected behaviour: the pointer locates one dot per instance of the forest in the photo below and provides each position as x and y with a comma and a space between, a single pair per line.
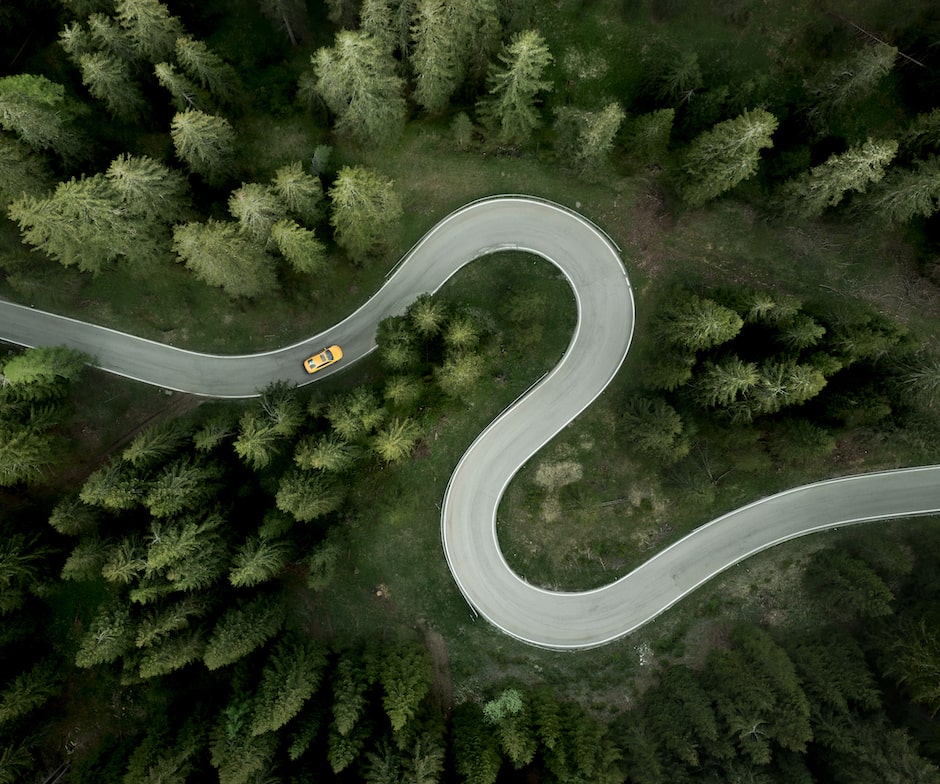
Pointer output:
254, 592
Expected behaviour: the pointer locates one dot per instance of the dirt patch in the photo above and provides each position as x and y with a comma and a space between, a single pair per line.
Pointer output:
442, 690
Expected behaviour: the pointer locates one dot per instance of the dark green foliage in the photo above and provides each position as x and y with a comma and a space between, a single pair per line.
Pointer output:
241, 629
725, 156
257, 561
110, 635
513, 87
846, 582
405, 674
291, 676
30, 690
476, 748
235, 753
39, 113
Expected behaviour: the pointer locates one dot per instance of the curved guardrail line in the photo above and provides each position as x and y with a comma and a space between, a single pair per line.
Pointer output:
591, 262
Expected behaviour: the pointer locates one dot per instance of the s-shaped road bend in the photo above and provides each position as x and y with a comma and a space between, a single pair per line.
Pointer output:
601, 340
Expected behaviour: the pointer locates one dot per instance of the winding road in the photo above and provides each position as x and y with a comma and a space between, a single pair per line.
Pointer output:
601, 340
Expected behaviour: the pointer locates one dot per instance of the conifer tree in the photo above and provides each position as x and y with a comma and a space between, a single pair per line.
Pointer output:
205, 143
108, 79
171, 654
206, 68
29, 690
589, 136
149, 189
356, 79
291, 676
81, 224
242, 629
325, 453
236, 755
406, 674
108, 36
185, 93
301, 193
719, 159
257, 561
256, 208
151, 26
38, 112
220, 256
905, 194
826, 185
110, 636
365, 209
513, 88
436, 58
300, 246
22, 172
307, 496
393, 442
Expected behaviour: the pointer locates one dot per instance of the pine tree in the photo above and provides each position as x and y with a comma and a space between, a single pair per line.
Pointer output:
307, 496
258, 440
81, 224
158, 624
476, 749
205, 142
149, 189
108, 79
155, 444
151, 27
589, 136
242, 629
647, 136
325, 453
75, 40
322, 563
462, 333
654, 428
114, 486
22, 172
291, 676
186, 94
258, 561
394, 441
108, 36
125, 561
852, 79
511, 105
403, 392
437, 57
46, 367
406, 674
38, 112
236, 755
220, 256
300, 192
905, 194
86, 559
826, 185
511, 718
721, 383
182, 486
300, 246
109, 636
459, 374
365, 209
73, 517
351, 681
256, 208
427, 315
30, 690
171, 654
696, 324
726, 155
204, 66
176, 542
356, 79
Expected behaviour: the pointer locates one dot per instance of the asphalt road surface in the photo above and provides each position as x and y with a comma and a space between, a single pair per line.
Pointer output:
600, 342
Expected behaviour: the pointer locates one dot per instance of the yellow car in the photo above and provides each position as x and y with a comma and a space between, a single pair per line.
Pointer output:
323, 358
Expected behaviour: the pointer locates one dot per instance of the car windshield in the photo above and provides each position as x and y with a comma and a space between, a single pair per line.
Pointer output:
329, 355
